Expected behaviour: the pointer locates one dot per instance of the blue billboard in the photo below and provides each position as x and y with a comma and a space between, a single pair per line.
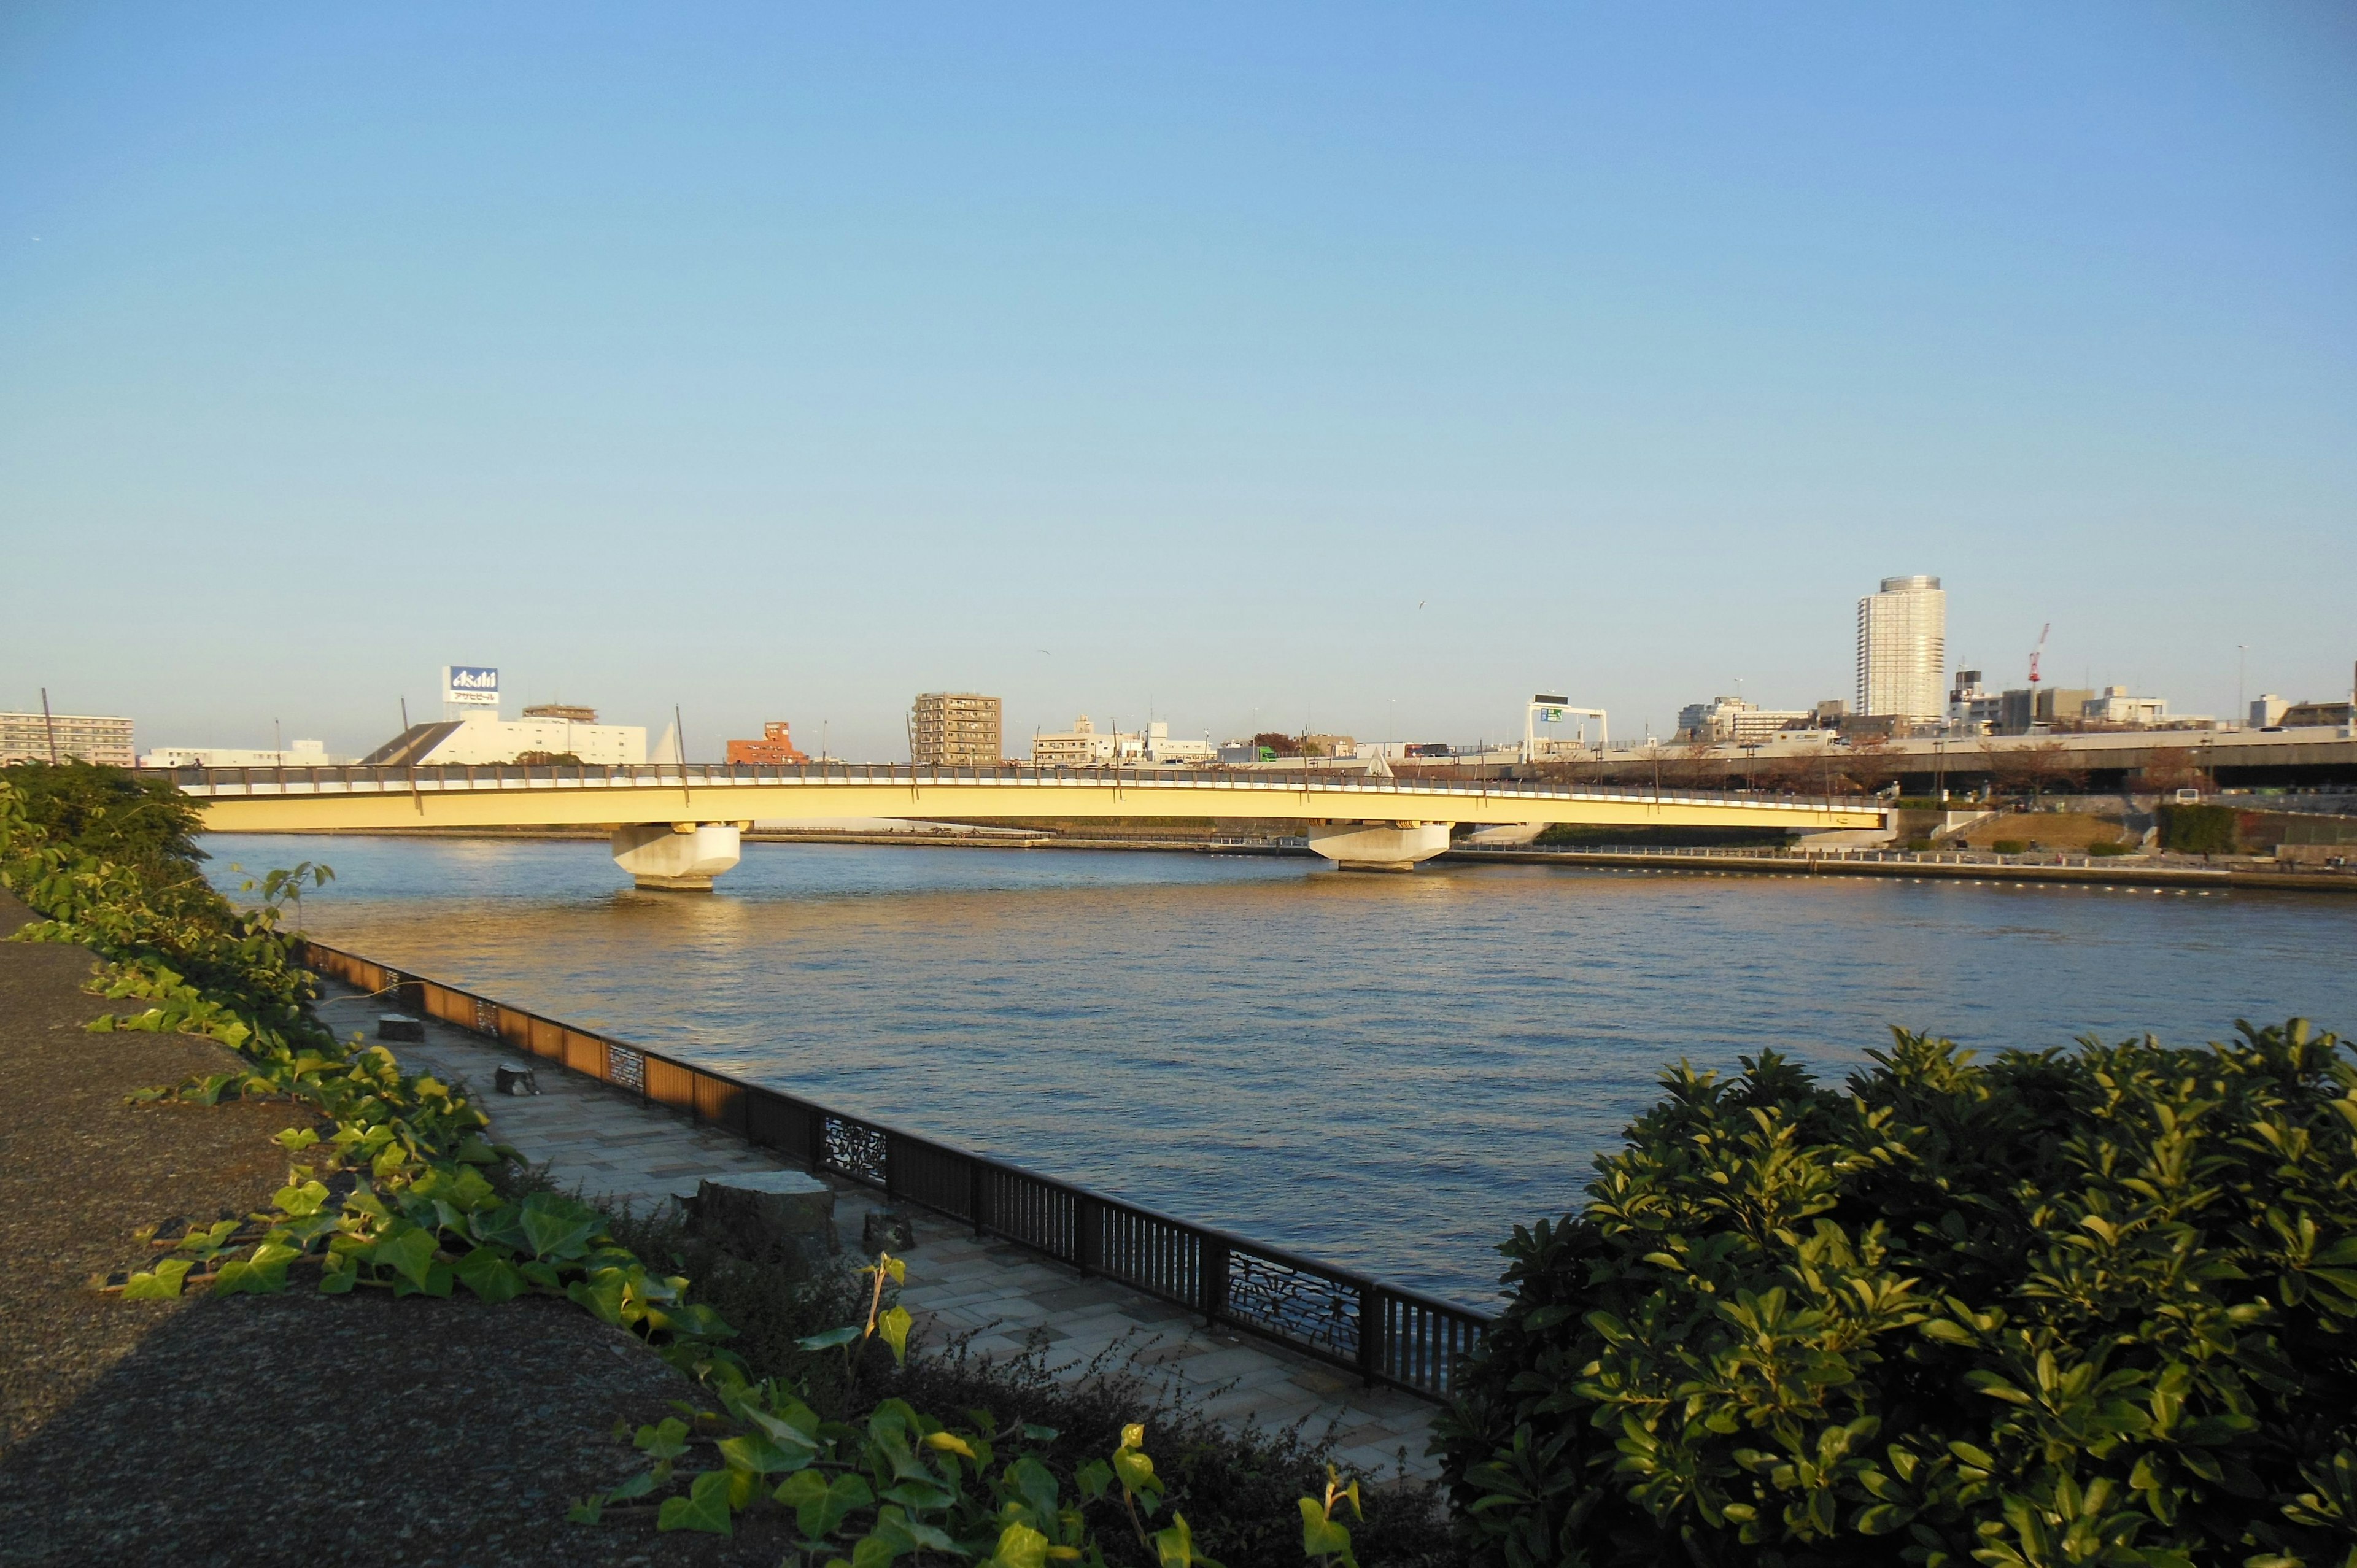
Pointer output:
473, 684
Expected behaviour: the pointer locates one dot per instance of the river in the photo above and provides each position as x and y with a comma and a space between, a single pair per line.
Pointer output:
1387, 1072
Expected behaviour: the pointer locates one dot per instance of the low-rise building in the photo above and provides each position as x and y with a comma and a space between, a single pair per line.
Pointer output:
774, 749
302, 754
1085, 746
2114, 705
66, 737
1732, 718
2269, 709
2304, 716
490, 740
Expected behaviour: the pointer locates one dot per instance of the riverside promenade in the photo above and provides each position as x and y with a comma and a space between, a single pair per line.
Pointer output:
614, 1148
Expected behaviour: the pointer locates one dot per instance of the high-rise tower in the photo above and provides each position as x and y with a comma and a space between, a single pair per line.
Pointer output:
1902, 649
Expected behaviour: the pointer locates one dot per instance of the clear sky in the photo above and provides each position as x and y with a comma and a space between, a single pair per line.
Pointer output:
1367, 367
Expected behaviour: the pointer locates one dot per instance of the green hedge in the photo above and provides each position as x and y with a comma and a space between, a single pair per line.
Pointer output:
2198, 830
2092, 1307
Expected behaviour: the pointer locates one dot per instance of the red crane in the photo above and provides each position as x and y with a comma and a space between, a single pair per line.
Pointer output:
2030, 720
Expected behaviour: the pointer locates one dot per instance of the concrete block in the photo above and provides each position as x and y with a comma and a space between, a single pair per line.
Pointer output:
399, 1027
768, 1216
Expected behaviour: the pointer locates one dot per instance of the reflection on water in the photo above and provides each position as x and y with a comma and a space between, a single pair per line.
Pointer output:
1384, 1071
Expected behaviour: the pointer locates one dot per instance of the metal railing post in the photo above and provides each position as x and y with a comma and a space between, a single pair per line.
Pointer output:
1214, 1304
1371, 1333
1088, 1219
977, 1195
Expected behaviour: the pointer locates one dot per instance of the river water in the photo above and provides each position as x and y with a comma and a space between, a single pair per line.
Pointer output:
1386, 1072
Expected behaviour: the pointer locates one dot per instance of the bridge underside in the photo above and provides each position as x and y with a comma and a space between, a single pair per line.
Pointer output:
1354, 821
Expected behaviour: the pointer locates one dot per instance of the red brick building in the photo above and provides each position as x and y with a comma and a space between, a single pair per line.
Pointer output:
776, 745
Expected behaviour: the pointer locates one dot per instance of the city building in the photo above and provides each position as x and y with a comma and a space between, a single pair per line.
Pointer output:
2268, 711
1733, 719
1160, 747
2113, 705
573, 712
91, 738
302, 754
484, 738
1902, 649
1085, 746
775, 748
955, 729
2304, 716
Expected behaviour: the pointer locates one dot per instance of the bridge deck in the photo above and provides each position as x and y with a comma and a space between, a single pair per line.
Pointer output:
297, 800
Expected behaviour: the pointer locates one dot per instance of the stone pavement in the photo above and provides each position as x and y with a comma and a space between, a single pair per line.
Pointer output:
614, 1149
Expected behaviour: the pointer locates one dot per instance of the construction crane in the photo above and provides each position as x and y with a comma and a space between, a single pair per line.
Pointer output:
2030, 720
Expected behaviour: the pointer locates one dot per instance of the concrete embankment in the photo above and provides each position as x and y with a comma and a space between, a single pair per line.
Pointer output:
2108, 874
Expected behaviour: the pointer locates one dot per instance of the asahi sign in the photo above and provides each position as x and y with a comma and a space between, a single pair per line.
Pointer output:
470, 684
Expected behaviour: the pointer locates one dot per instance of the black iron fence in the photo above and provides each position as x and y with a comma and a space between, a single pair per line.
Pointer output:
1386, 1334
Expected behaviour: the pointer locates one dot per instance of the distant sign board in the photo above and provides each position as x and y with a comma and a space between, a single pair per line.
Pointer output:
470, 683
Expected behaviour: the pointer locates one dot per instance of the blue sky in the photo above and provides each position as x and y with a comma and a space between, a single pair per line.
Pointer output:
784, 362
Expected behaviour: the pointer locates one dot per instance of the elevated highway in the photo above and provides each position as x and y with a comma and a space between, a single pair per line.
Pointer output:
678, 826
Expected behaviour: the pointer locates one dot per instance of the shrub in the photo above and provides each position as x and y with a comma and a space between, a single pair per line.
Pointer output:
2086, 1307
2111, 846
2198, 830
2009, 846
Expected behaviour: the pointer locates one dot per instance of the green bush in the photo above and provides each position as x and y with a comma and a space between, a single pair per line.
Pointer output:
2198, 830
2111, 846
2093, 1308
2009, 846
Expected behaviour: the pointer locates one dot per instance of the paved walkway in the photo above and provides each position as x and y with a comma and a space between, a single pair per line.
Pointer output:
613, 1148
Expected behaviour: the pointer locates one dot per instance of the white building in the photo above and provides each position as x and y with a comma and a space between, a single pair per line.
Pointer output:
1085, 746
302, 754
1902, 649
484, 740
89, 738
1733, 719
2269, 709
2114, 707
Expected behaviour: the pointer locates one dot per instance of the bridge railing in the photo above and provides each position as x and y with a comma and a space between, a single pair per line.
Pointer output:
1384, 1332
357, 779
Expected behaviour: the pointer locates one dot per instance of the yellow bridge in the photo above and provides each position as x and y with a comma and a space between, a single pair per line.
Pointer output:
678, 826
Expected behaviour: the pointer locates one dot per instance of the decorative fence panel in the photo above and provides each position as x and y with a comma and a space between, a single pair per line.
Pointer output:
1389, 1335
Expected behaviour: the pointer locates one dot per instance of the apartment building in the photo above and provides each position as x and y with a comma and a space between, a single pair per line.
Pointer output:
955, 729
36, 737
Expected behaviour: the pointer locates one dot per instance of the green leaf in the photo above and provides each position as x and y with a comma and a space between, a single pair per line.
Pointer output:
556, 1228
409, 1252
1019, 1546
263, 1274
666, 1441
833, 1337
819, 1507
893, 1326
706, 1507
163, 1284
488, 1273
757, 1455
1175, 1547
1321, 1536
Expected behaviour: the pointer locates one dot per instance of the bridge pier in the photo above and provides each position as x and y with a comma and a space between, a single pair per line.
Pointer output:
1378, 846
678, 856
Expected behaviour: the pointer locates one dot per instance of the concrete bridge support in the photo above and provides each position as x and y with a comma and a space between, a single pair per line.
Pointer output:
681, 856
1378, 846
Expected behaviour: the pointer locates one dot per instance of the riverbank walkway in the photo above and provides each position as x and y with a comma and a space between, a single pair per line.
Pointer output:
614, 1148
